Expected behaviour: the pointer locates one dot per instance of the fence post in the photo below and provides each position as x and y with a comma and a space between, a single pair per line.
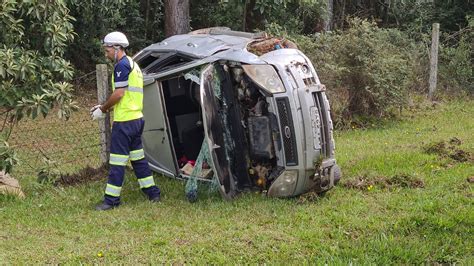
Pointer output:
104, 124
434, 60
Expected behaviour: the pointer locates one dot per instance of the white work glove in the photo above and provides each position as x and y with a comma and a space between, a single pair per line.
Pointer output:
96, 113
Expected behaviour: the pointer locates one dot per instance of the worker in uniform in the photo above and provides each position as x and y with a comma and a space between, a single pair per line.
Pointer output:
126, 144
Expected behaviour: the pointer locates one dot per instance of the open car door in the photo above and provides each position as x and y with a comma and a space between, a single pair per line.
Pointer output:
211, 100
156, 139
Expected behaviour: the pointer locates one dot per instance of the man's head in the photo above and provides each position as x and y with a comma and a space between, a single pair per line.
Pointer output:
114, 44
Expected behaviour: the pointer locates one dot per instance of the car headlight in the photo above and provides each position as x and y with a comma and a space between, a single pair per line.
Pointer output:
266, 77
284, 185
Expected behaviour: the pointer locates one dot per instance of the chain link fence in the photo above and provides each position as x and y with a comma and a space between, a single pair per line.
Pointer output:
53, 144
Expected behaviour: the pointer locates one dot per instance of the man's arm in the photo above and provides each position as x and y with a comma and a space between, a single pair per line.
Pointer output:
113, 99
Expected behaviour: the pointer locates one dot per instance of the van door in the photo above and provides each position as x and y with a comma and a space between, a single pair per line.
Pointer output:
157, 143
214, 130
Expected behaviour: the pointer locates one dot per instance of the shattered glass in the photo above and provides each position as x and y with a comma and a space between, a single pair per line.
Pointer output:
191, 188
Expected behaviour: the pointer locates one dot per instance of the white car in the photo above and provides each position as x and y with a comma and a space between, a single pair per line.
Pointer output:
263, 120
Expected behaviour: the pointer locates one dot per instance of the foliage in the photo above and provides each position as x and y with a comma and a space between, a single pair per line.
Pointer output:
33, 38
368, 70
456, 65
49, 172
205, 14
301, 16
418, 16
414, 16
8, 157
141, 21
33, 71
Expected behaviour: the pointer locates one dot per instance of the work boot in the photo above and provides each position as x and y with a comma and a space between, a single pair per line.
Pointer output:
155, 199
104, 207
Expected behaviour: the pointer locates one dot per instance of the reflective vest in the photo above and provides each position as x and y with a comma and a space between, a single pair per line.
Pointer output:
131, 105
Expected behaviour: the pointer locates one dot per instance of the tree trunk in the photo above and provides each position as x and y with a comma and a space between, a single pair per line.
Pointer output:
176, 17
147, 18
253, 18
330, 11
244, 17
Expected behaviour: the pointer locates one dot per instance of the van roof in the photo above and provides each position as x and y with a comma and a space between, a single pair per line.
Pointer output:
206, 42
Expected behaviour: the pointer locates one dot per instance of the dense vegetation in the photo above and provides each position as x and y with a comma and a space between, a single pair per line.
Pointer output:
410, 205
374, 57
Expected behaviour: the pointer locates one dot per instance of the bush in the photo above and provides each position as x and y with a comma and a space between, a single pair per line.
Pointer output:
368, 71
33, 71
456, 61
8, 156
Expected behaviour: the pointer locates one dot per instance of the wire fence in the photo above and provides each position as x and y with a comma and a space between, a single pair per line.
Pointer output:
51, 143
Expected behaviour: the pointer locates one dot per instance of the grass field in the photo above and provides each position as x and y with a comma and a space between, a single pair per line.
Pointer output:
396, 203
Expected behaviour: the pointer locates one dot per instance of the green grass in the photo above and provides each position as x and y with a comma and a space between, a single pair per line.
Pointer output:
71, 145
392, 225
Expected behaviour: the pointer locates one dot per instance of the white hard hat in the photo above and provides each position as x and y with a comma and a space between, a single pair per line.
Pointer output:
115, 38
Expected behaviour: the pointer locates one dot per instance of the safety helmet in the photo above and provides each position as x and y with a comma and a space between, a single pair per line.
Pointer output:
115, 38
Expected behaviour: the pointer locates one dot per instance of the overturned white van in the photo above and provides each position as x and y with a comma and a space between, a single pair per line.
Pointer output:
264, 120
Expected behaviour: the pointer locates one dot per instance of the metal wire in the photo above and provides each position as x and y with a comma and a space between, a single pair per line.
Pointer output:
68, 145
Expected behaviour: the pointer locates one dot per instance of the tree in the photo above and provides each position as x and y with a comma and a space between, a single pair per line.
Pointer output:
141, 21
176, 17
412, 15
34, 74
329, 10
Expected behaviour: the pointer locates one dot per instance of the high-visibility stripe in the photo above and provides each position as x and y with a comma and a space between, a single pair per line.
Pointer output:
121, 84
146, 182
113, 190
118, 159
137, 155
135, 89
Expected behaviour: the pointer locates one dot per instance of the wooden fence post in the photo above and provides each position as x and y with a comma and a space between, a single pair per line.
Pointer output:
434, 60
104, 124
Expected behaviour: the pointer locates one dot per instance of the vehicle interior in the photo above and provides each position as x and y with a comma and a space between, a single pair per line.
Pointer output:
184, 117
244, 125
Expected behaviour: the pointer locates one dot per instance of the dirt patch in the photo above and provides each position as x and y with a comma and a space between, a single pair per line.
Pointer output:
438, 148
308, 197
461, 156
449, 149
455, 141
383, 182
86, 175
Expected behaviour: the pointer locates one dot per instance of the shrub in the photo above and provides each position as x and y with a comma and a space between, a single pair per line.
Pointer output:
8, 156
456, 61
368, 70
